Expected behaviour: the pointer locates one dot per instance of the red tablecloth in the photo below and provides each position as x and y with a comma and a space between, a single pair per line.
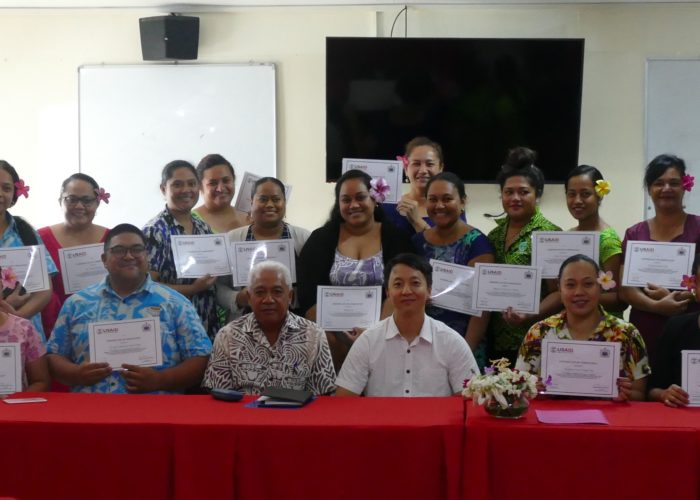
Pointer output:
157, 447
647, 452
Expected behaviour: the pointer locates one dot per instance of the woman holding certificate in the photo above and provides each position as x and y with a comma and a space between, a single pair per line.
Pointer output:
268, 208
585, 189
580, 282
218, 186
522, 184
180, 186
666, 182
351, 249
450, 239
80, 197
16, 232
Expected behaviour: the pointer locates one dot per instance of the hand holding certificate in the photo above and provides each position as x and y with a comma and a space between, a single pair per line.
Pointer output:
200, 255
10, 368
340, 308
452, 287
498, 287
581, 368
134, 341
662, 264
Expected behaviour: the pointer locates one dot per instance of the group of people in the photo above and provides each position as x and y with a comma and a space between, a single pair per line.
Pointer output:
265, 334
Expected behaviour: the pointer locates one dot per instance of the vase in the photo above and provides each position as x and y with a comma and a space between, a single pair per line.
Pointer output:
517, 407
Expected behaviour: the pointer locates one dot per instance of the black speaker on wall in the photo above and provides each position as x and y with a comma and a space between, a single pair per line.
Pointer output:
166, 38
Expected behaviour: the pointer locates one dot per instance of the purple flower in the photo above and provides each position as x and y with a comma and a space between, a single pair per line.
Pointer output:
379, 189
489, 370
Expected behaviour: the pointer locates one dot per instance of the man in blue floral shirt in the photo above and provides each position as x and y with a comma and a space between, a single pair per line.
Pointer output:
128, 293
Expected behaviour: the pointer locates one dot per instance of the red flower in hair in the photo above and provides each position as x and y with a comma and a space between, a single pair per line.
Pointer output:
102, 195
21, 189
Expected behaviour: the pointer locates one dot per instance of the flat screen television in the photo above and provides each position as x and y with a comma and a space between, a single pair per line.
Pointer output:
477, 97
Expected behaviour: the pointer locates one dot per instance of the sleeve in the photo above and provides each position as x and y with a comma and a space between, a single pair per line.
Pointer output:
34, 344
321, 381
530, 352
634, 362
158, 251
218, 375
354, 374
662, 375
61, 341
462, 365
610, 245
192, 339
314, 267
481, 246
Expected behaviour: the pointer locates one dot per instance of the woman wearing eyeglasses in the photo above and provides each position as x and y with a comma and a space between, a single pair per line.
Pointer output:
80, 196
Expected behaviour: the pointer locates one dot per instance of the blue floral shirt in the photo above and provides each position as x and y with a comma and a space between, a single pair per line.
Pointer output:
160, 259
11, 238
182, 334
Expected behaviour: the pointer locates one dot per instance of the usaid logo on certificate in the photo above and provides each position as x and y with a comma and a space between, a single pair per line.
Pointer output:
6, 353
549, 239
605, 352
644, 249
494, 272
555, 349
333, 294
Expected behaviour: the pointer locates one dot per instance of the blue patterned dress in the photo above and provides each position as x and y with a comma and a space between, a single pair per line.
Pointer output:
160, 259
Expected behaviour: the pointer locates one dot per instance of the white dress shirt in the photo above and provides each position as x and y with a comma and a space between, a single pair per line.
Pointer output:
382, 363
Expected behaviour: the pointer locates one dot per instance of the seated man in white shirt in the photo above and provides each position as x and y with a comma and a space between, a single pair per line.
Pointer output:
408, 354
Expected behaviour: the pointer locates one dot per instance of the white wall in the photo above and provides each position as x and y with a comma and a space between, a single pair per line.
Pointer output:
40, 52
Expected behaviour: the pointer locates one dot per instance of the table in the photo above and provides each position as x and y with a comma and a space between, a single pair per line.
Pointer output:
648, 451
185, 447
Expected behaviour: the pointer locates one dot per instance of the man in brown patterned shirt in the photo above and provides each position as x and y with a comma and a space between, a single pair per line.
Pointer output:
270, 347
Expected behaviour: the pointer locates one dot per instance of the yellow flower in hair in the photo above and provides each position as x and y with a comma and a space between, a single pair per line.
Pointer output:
602, 188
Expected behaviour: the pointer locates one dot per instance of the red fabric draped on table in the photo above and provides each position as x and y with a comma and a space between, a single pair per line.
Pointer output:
194, 447
647, 452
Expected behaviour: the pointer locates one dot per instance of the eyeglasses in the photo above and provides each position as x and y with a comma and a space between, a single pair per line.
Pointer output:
135, 251
73, 201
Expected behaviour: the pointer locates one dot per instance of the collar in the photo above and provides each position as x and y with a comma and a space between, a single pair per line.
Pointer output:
426, 332
558, 321
251, 327
146, 286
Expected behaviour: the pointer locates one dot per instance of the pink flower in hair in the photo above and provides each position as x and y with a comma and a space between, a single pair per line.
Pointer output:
21, 189
403, 160
688, 182
102, 195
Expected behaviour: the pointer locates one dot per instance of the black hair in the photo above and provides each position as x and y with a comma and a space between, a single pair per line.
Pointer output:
520, 161
212, 160
590, 171
24, 229
263, 180
171, 167
414, 262
452, 179
424, 141
78, 177
335, 218
122, 229
658, 166
578, 258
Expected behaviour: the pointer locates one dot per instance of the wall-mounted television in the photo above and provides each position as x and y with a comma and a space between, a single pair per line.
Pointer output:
477, 97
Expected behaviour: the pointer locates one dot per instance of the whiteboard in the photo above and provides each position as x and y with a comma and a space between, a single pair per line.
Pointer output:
673, 119
134, 119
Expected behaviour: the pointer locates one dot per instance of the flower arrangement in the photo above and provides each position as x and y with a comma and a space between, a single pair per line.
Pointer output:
602, 188
688, 182
379, 189
502, 390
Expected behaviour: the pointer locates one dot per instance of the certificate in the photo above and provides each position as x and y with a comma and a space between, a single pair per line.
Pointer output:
10, 368
81, 266
390, 170
196, 256
28, 264
245, 254
500, 286
132, 341
245, 192
551, 248
581, 367
340, 308
690, 375
662, 264
452, 287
